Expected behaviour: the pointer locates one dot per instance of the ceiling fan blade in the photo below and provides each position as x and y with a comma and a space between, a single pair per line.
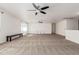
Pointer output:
36, 13
35, 6
31, 10
43, 8
43, 12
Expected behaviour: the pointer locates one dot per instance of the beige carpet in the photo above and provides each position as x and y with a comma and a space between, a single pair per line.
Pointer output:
40, 45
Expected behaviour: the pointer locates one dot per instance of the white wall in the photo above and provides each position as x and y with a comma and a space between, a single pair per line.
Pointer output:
72, 35
0, 20
9, 25
0, 25
60, 27
40, 28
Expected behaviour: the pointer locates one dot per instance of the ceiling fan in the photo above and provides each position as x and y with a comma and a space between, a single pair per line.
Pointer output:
38, 9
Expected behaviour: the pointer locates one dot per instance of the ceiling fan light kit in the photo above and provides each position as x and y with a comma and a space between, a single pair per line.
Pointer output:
40, 22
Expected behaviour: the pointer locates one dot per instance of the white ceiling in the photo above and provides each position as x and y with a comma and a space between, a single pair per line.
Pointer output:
55, 12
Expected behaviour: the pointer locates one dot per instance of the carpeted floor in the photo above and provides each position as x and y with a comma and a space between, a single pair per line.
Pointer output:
40, 45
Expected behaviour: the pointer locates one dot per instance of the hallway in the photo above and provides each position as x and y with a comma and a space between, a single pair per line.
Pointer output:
39, 45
